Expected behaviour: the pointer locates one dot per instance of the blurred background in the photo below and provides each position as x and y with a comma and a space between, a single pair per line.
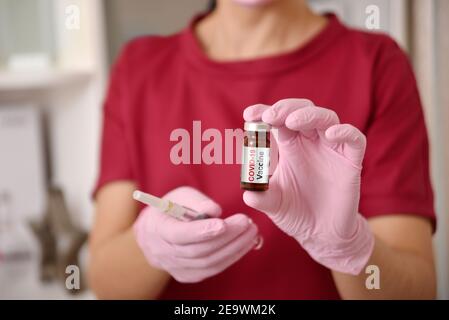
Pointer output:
54, 61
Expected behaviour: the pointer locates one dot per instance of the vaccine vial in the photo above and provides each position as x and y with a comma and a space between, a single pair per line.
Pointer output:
255, 157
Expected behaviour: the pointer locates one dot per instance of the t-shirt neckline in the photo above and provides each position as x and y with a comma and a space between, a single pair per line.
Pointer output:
270, 64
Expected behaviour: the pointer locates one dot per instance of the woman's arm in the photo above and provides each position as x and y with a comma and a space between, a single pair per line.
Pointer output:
117, 267
403, 253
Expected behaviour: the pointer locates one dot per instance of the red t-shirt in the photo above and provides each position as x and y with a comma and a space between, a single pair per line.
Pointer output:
160, 84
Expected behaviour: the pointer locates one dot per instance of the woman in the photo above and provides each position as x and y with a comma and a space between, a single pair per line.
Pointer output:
328, 90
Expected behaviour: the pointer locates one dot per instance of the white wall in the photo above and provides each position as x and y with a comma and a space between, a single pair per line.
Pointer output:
76, 110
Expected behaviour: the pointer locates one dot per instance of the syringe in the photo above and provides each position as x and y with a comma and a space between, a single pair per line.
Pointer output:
169, 207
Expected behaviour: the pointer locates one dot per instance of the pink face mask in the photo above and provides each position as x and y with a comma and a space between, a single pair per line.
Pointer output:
252, 2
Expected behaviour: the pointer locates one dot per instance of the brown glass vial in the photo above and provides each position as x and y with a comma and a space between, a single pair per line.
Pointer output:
255, 157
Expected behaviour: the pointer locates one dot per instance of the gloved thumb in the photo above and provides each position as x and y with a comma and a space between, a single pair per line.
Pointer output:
267, 201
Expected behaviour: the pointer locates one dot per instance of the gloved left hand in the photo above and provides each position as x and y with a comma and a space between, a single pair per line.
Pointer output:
314, 191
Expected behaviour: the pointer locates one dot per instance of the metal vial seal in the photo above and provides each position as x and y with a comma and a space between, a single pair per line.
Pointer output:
255, 157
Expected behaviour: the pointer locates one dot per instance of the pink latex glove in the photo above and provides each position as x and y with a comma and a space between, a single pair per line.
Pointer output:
195, 250
314, 191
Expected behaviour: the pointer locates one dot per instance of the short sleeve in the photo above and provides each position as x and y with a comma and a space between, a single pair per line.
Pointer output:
395, 176
115, 163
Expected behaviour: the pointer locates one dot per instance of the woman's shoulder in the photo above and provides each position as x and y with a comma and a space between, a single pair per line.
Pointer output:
144, 56
372, 44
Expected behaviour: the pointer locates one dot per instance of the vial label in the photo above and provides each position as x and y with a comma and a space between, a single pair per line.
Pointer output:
255, 165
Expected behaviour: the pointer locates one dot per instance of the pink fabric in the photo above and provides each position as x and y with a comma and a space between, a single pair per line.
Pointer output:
315, 190
196, 250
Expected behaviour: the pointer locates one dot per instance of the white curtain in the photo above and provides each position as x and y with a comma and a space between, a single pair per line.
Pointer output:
429, 49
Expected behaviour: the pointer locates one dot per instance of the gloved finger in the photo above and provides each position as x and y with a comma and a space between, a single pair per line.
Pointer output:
220, 259
179, 232
277, 114
354, 141
194, 199
209, 207
254, 112
309, 120
235, 226
267, 201
192, 275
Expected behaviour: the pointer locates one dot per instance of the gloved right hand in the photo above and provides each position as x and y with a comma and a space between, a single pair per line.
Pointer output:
315, 190
195, 250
